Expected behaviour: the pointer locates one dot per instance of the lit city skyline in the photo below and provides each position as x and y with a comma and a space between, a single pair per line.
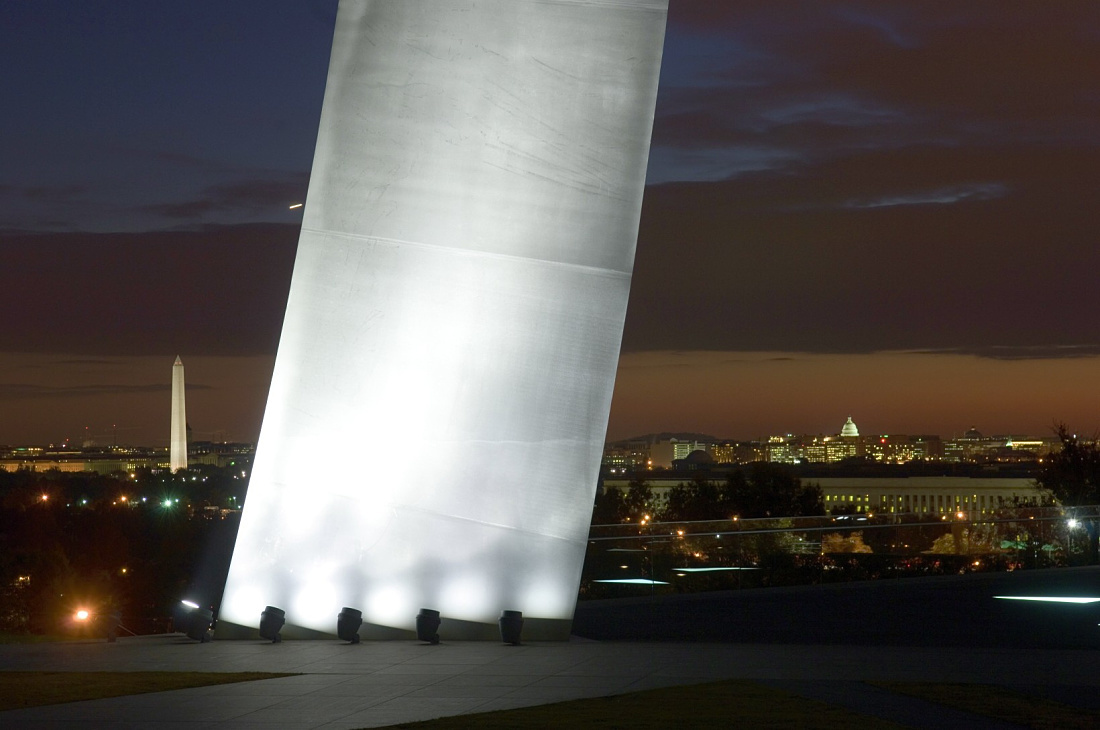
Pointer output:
875, 209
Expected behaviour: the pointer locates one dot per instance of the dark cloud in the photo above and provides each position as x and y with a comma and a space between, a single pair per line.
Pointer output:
864, 176
15, 391
823, 79
220, 290
783, 261
53, 194
246, 196
83, 361
1021, 352
825, 177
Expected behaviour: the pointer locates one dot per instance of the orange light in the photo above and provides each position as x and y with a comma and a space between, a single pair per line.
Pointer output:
81, 615
45, 497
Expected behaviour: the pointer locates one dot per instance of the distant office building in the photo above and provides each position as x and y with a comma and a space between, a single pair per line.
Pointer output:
900, 448
937, 496
105, 460
830, 449
972, 446
738, 452
662, 453
784, 449
625, 456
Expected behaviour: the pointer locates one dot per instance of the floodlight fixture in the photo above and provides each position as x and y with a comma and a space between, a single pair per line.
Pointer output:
348, 622
427, 625
199, 621
511, 626
271, 622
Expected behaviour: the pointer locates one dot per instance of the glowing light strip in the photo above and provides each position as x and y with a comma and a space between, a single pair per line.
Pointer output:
1051, 599
636, 581
710, 570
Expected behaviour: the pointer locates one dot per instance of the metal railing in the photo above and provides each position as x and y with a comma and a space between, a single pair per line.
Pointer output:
632, 558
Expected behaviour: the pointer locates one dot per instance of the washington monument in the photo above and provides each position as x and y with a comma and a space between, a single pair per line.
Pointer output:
177, 450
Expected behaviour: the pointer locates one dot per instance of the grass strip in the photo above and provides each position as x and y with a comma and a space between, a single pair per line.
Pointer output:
1000, 703
33, 689
734, 703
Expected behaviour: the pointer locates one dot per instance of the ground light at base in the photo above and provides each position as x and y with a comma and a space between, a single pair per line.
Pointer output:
1052, 599
634, 581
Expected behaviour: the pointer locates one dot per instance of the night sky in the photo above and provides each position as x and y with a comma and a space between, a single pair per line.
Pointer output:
884, 210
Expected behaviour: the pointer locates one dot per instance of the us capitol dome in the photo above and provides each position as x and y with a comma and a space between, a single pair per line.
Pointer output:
849, 429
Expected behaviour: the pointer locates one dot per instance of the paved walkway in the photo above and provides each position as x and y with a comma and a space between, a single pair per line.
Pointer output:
375, 684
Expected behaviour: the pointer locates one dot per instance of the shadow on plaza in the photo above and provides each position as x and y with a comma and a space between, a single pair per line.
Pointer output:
932, 611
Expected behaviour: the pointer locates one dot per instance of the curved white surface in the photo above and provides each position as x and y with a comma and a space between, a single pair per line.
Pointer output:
441, 392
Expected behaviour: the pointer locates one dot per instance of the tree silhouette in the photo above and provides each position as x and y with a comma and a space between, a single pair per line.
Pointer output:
1073, 477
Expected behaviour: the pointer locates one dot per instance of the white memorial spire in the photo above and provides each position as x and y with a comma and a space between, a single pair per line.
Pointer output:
177, 450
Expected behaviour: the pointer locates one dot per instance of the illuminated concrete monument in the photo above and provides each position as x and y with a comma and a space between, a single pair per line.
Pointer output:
460, 288
177, 444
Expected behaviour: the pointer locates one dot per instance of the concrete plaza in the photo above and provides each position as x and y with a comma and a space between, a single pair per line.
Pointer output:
382, 683
376, 684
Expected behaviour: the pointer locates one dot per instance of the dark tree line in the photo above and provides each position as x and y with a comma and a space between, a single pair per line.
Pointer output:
69, 541
759, 490
1073, 478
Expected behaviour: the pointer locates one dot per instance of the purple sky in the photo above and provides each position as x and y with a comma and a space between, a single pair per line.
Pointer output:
883, 209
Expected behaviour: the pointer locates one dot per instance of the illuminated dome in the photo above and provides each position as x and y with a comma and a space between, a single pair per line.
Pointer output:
849, 429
